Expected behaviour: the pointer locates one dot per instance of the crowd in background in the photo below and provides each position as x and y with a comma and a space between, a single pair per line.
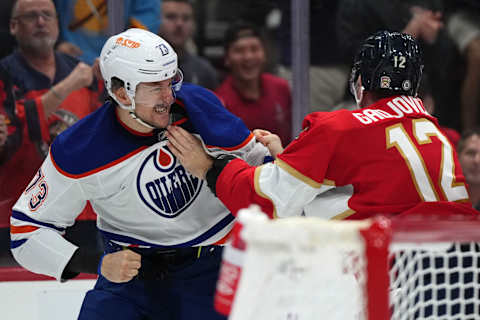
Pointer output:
241, 50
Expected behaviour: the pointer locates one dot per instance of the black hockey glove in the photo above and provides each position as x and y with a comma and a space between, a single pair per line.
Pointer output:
212, 174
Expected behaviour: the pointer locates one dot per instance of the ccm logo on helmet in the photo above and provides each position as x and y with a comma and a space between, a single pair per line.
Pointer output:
127, 43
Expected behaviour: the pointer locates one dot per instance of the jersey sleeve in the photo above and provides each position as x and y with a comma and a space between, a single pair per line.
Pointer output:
311, 152
49, 204
284, 187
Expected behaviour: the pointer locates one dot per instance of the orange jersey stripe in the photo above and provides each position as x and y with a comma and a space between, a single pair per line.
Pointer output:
247, 140
224, 239
108, 165
23, 229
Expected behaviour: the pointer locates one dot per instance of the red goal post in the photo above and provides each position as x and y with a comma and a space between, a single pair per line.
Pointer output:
416, 267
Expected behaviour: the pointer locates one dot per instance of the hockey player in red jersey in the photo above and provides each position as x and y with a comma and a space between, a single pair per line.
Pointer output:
388, 156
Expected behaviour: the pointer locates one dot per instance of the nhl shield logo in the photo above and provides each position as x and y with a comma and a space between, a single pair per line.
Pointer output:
164, 185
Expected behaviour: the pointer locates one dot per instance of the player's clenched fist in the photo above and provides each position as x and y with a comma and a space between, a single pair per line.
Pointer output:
121, 266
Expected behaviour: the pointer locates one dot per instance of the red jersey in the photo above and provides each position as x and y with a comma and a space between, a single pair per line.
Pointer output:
36, 131
385, 158
272, 111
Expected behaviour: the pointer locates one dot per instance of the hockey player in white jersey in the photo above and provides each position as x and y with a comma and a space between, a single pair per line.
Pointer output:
161, 225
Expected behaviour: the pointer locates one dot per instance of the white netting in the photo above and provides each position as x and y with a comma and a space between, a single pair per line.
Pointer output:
435, 281
301, 269
308, 268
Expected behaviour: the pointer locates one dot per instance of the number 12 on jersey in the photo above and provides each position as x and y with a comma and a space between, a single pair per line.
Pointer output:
423, 129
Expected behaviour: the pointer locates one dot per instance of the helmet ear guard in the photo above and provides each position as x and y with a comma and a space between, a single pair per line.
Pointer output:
388, 62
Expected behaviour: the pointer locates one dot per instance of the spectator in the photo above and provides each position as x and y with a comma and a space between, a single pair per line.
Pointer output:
10, 140
469, 157
260, 99
177, 27
161, 225
464, 28
52, 91
84, 24
348, 164
215, 17
423, 19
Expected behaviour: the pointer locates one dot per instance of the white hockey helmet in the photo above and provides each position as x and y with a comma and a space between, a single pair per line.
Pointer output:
136, 56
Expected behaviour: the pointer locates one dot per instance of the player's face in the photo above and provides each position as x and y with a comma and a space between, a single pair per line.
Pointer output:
34, 25
470, 160
177, 23
153, 101
246, 58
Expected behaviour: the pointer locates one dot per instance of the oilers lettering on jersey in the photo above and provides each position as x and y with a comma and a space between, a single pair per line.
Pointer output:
163, 184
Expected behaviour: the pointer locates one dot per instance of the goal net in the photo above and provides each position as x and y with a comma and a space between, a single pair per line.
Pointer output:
308, 268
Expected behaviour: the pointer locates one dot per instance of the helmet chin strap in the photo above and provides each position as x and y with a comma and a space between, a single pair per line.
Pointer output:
136, 117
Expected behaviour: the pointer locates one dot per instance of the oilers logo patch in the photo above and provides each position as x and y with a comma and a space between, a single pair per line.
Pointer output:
164, 185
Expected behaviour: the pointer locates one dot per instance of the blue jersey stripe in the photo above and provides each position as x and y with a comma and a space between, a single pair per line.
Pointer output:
268, 159
17, 243
212, 231
23, 217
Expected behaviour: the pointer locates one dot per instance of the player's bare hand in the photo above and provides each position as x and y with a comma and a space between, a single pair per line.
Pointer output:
121, 266
269, 140
189, 151
3, 130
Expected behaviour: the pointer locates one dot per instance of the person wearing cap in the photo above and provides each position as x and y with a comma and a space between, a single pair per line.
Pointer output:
262, 100
162, 227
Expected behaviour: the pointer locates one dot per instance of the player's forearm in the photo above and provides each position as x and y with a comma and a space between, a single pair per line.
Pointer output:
45, 251
82, 261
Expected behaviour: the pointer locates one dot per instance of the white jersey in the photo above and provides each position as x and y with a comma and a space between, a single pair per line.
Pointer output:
141, 193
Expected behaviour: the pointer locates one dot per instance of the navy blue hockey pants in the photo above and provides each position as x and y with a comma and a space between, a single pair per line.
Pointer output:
180, 290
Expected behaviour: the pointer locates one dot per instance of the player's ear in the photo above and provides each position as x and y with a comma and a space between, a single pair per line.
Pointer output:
122, 97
